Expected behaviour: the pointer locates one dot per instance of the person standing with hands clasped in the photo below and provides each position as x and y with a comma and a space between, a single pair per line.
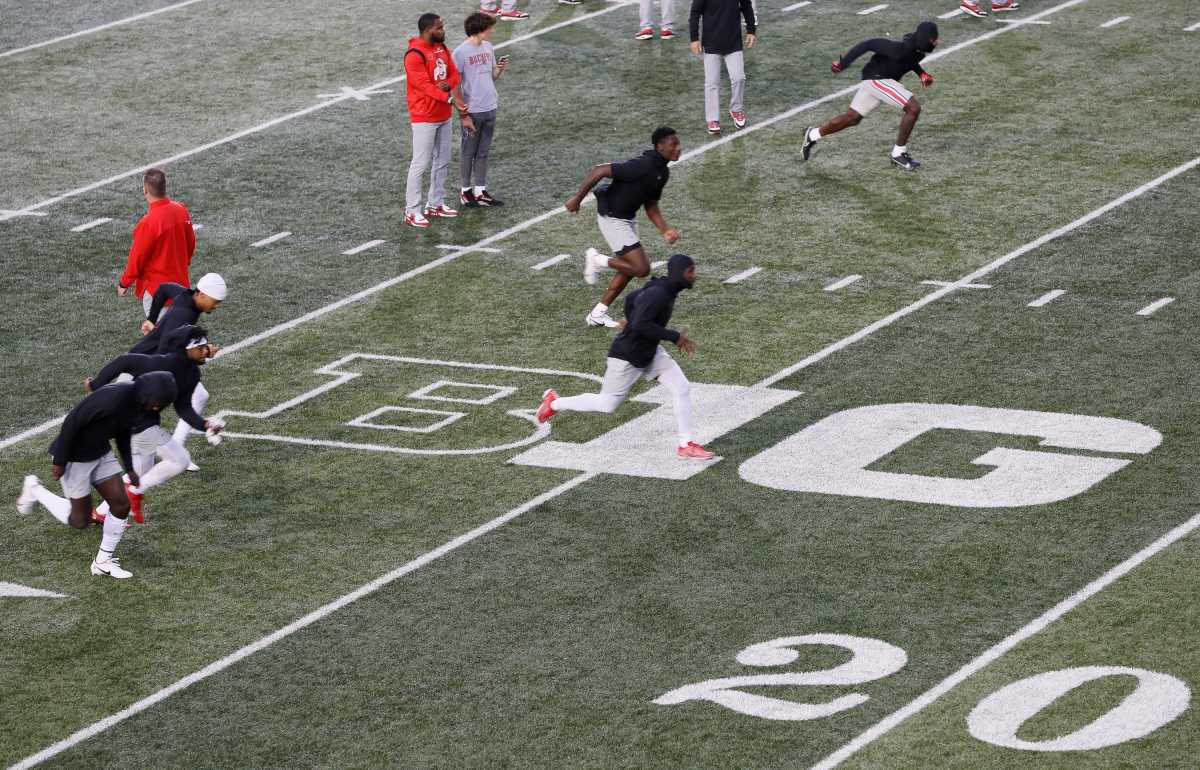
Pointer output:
722, 41
163, 243
477, 63
431, 87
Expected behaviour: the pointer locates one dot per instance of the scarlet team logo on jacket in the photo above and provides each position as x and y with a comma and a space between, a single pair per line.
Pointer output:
439, 70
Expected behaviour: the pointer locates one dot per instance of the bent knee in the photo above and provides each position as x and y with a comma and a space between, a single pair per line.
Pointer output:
610, 404
913, 107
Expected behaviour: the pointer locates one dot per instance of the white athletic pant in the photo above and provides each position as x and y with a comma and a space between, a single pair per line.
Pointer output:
492, 5
735, 65
668, 13
620, 376
431, 146
147, 301
199, 401
173, 459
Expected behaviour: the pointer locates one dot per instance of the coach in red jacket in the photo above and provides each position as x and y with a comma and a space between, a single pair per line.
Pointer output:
163, 243
431, 86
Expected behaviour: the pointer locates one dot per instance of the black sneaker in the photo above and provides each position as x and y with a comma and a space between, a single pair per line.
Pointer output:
485, 199
906, 161
807, 148
468, 199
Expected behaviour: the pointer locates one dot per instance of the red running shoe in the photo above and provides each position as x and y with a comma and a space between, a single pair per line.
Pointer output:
666, 33
714, 127
442, 210
694, 451
645, 33
135, 504
739, 119
544, 411
514, 15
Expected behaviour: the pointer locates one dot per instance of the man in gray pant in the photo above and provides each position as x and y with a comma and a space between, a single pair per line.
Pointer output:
476, 61
722, 42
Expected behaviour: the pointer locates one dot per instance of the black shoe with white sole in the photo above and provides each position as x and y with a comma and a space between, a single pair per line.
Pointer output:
807, 148
906, 161
485, 199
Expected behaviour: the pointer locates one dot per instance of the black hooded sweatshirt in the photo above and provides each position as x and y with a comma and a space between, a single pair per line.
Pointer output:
182, 312
722, 22
647, 313
185, 371
894, 59
107, 414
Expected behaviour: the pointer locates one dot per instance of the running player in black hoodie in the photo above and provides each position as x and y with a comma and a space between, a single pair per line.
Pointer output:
83, 458
893, 59
636, 353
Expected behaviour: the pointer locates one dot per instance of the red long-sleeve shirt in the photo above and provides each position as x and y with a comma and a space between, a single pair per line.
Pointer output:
163, 244
432, 65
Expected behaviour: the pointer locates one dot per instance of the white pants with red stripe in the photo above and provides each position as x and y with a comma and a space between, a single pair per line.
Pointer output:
872, 93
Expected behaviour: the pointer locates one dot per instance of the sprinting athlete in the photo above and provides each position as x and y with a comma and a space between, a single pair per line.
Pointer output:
972, 7
893, 59
636, 353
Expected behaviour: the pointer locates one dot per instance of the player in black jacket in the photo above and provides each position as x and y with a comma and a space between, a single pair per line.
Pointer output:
82, 458
636, 353
187, 349
892, 60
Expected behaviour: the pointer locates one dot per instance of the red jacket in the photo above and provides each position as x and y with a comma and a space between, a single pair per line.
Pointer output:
163, 244
426, 102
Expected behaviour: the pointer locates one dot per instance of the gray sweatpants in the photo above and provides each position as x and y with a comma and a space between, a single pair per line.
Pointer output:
431, 145
735, 65
473, 162
668, 13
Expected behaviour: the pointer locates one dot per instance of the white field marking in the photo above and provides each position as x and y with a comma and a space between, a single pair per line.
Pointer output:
363, 247
1192, 28
994, 653
357, 94
286, 118
990, 267
89, 225
955, 283
842, 283
25, 592
370, 291
739, 277
271, 239
1114, 22
1155, 306
7, 214
316, 615
872, 9
109, 25
457, 248
550, 262
1019, 21
497, 392
657, 264
794, 6
448, 418
952, 14
1047, 298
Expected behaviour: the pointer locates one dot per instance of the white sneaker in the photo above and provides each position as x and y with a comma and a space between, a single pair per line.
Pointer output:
593, 263
193, 467
112, 568
27, 498
600, 319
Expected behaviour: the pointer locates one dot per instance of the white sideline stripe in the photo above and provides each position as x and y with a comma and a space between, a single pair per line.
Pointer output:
1154, 307
1192, 28
951, 14
1114, 22
739, 277
521, 226
89, 225
1047, 298
552, 261
994, 653
961, 286
794, 6
271, 239
872, 9
363, 247
990, 267
285, 118
452, 246
99, 28
297, 625
843, 282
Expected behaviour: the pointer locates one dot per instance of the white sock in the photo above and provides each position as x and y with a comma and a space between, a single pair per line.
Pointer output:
899, 150
102, 508
467, 189
480, 188
113, 529
59, 507
814, 134
600, 309
162, 471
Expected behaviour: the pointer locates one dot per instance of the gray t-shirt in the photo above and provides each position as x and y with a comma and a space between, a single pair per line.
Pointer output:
475, 62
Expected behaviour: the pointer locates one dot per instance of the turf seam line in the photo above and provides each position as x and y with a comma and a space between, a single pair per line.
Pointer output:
995, 652
99, 28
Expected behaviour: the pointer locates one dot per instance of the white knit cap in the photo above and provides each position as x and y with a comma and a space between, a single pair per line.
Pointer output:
213, 285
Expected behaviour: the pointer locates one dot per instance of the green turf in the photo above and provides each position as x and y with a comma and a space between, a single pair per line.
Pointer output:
544, 643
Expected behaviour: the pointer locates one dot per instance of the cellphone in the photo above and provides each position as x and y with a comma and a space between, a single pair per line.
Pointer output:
503, 59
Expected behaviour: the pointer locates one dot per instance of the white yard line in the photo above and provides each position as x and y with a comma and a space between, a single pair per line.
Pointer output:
1114, 22
459, 248
1047, 298
954, 283
89, 225
1154, 307
271, 239
952, 14
739, 277
994, 653
283, 119
92, 30
552, 261
842, 283
794, 6
1192, 28
363, 247
872, 9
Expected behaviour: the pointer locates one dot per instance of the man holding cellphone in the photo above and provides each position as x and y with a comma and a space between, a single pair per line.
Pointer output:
475, 60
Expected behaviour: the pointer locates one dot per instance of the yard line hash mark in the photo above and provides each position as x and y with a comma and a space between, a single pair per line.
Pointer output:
1192, 28
739, 277
1156, 306
1114, 22
794, 6
842, 283
271, 239
872, 9
89, 225
1047, 298
550, 262
363, 247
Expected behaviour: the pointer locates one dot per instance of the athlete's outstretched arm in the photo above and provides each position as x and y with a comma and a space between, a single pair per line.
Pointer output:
874, 45
593, 178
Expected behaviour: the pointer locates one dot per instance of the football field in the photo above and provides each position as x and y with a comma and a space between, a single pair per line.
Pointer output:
953, 522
